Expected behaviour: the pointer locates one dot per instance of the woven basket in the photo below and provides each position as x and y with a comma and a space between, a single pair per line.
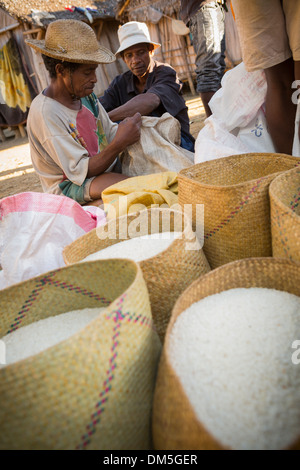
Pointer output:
174, 423
285, 215
95, 389
167, 274
234, 191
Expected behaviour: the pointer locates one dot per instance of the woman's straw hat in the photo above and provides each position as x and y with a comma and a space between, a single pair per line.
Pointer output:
132, 33
72, 41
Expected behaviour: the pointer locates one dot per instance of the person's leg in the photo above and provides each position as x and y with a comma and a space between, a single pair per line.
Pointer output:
280, 109
205, 98
187, 142
102, 182
208, 32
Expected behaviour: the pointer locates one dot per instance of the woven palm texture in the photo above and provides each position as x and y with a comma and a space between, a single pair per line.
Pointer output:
234, 192
167, 274
174, 424
285, 215
95, 389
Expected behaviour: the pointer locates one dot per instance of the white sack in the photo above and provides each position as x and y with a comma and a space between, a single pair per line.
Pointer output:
34, 229
158, 149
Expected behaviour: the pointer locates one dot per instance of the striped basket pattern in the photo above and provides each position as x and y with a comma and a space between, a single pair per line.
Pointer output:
94, 390
285, 215
234, 192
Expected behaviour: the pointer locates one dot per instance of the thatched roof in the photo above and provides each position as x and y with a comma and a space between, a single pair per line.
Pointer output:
22, 9
139, 10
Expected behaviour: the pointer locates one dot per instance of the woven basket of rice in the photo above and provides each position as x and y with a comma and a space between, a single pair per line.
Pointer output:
167, 273
234, 192
285, 215
226, 377
94, 390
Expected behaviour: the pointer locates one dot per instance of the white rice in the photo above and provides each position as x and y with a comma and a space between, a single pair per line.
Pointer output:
233, 355
38, 336
137, 249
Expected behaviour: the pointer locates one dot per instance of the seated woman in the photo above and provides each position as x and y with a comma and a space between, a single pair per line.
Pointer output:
73, 143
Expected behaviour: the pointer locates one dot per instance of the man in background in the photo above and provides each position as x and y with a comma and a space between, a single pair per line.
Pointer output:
270, 41
206, 21
149, 87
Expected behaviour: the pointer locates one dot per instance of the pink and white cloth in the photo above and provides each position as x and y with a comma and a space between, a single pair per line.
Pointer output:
34, 229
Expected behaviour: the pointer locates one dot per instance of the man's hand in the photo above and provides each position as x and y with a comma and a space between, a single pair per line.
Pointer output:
128, 132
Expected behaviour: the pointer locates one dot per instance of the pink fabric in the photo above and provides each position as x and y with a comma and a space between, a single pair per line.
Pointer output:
53, 204
87, 127
96, 213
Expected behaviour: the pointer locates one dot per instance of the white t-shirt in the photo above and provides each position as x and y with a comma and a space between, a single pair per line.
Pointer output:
62, 140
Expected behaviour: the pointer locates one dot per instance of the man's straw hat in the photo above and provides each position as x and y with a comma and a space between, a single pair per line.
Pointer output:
72, 41
133, 33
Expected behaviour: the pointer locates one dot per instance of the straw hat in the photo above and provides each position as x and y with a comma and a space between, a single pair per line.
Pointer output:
72, 41
132, 33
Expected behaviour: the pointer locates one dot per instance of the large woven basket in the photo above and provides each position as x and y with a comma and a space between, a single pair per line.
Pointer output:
167, 274
285, 215
95, 389
234, 191
175, 425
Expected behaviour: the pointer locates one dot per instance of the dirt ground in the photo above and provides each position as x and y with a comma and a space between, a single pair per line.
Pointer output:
17, 174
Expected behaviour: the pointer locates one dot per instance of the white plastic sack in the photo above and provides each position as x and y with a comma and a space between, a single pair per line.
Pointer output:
241, 95
214, 141
34, 229
233, 47
296, 144
255, 135
238, 123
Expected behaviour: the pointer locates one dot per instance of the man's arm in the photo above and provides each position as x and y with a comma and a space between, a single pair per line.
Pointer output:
144, 104
128, 133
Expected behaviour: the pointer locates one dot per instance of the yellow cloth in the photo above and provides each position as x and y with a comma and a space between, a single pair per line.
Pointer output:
13, 89
140, 192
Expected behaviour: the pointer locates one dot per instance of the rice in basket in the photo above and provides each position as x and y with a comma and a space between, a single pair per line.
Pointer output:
232, 353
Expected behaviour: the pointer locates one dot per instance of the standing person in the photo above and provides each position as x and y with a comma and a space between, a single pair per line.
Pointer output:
149, 87
270, 40
206, 21
73, 143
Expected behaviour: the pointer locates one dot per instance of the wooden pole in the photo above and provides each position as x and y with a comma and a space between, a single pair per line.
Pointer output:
189, 75
99, 31
31, 31
160, 41
122, 9
2, 135
22, 130
7, 28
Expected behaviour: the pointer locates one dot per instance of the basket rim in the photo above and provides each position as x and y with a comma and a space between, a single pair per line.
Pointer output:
32, 358
278, 204
276, 200
182, 174
186, 230
47, 273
